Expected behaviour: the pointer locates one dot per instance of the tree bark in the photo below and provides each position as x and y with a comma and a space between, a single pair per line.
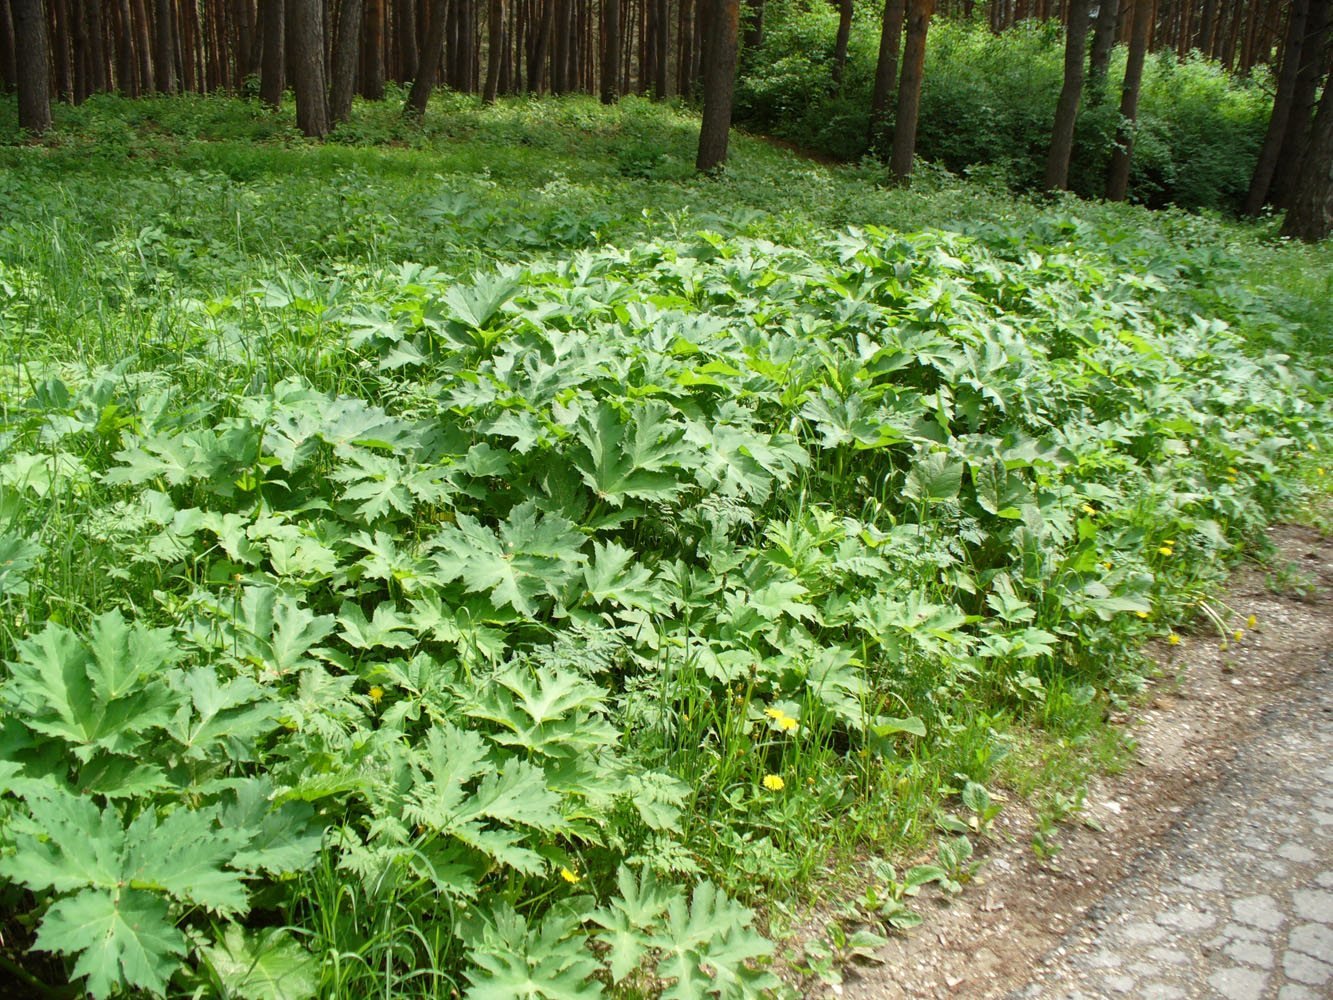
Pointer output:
541, 45
495, 48
346, 55
405, 32
754, 24
31, 65
1310, 217
1103, 41
611, 51
1066, 109
142, 45
306, 24
909, 89
1302, 102
886, 75
165, 46
661, 80
372, 52
719, 73
428, 66
1117, 181
273, 62
8, 68
1282, 105
841, 42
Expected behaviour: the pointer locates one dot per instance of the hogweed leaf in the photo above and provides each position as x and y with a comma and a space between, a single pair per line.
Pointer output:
121, 937
261, 965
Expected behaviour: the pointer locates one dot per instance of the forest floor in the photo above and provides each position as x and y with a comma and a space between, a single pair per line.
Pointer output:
1204, 871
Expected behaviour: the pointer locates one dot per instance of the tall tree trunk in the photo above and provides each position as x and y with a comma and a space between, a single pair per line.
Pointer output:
662, 63
97, 75
143, 49
1310, 217
428, 66
754, 24
346, 55
165, 46
541, 46
1066, 109
886, 75
840, 43
122, 31
611, 51
1203, 36
306, 42
1103, 41
8, 68
719, 73
372, 52
31, 65
1302, 102
909, 88
405, 38
273, 63
1282, 105
1117, 181
495, 48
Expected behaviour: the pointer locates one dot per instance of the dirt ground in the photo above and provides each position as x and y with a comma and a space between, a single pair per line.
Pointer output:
1008, 930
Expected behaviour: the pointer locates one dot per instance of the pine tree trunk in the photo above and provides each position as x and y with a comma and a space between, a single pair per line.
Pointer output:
31, 65
428, 66
405, 39
611, 51
1117, 181
1282, 105
541, 46
346, 55
1310, 217
306, 43
143, 48
754, 24
273, 41
909, 89
719, 73
1103, 41
8, 68
840, 44
495, 48
1203, 37
661, 81
886, 75
372, 52
1302, 102
165, 47
1066, 109
97, 74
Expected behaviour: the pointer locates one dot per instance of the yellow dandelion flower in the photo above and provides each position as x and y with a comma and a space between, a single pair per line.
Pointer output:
1090, 510
376, 693
774, 783
570, 876
1165, 550
1251, 621
1108, 564
1319, 471
1222, 644
1173, 639
787, 724
1232, 472
1141, 614
776, 714
1238, 635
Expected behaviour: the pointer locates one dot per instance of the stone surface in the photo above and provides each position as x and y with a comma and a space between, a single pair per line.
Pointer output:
1213, 913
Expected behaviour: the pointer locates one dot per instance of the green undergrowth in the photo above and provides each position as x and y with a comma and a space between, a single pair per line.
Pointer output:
489, 559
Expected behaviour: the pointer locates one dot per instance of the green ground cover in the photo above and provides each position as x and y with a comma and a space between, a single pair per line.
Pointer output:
489, 558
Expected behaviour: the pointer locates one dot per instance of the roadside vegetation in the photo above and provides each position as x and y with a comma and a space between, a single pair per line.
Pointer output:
484, 556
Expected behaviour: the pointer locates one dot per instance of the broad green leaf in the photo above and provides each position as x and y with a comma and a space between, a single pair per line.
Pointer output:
121, 937
934, 478
263, 965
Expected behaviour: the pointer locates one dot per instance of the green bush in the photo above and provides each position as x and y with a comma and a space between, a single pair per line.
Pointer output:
988, 103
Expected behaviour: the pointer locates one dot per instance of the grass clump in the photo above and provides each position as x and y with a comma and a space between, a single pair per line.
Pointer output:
448, 567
